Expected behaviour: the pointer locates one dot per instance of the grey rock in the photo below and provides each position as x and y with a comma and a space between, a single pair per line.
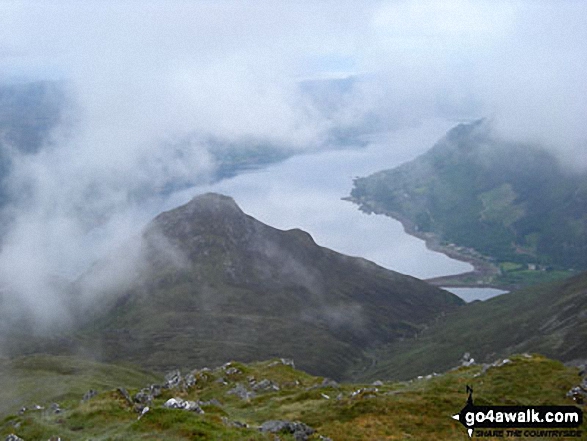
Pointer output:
178, 403
174, 403
242, 392
143, 412
288, 362
122, 391
229, 369
284, 361
233, 371
327, 382
300, 431
13, 437
578, 394
237, 424
377, 383
212, 402
215, 402
190, 380
143, 396
265, 385
275, 426
172, 380
192, 406
89, 395
466, 360
496, 363
155, 390
365, 392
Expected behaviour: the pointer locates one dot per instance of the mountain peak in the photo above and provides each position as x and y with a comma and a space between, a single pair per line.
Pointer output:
207, 204
209, 213
213, 203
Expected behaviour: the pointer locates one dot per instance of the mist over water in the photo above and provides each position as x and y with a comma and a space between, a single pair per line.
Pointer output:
305, 192
151, 82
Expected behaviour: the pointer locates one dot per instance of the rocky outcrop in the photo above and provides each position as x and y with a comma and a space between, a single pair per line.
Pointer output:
300, 431
179, 403
89, 395
242, 392
579, 393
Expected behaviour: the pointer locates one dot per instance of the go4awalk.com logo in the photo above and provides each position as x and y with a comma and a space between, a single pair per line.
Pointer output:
520, 421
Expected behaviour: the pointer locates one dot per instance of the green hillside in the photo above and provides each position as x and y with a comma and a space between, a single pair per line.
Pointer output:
37, 379
509, 202
235, 401
549, 319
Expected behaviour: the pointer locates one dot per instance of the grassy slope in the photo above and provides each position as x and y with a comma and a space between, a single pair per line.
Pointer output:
549, 319
25, 381
416, 410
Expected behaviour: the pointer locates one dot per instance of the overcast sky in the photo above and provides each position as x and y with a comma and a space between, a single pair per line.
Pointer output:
144, 74
231, 66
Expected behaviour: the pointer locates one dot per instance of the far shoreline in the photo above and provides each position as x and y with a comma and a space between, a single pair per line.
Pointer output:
482, 274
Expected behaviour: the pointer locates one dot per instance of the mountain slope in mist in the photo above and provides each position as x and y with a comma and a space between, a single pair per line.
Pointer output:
511, 202
549, 319
211, 283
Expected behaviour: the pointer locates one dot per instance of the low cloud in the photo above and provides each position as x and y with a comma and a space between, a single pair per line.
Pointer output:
151, 83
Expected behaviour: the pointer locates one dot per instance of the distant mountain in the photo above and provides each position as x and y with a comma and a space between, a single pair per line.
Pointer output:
215, 284
510, 202
549, 319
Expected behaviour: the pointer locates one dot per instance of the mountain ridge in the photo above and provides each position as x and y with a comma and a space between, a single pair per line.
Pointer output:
226, 286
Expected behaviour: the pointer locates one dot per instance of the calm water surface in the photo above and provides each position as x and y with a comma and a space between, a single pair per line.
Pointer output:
306, 190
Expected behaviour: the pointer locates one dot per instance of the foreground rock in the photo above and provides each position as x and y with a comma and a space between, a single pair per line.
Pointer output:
300, 431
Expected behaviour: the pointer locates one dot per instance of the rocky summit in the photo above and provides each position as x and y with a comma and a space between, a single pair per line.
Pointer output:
211, 283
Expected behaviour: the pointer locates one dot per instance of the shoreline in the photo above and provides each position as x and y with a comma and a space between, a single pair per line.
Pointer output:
483, 272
